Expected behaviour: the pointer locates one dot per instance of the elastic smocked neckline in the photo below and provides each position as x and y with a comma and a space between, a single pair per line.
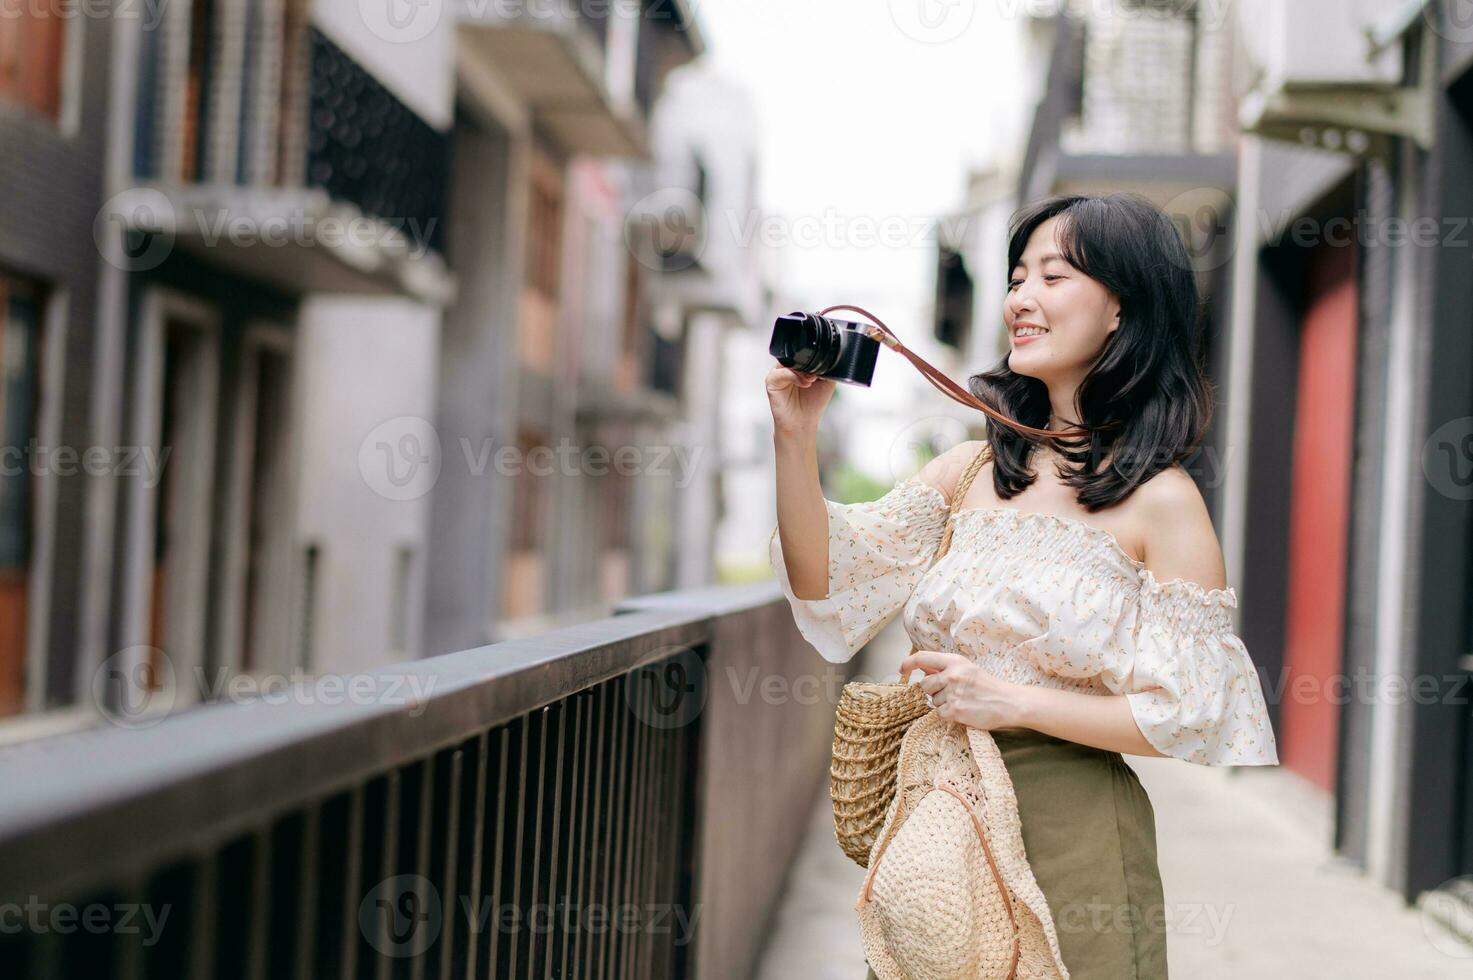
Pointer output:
1184, 589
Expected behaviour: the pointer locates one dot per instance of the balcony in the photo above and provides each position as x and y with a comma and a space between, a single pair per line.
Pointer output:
503, 811
321, 180
1337, 76
1129, 103
589, 80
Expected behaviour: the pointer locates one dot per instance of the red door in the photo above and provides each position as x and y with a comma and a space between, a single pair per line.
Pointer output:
1319, 518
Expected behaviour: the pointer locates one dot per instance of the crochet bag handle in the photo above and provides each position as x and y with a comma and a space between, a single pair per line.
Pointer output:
962, 486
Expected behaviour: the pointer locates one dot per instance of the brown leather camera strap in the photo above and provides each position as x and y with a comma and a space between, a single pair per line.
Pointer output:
948, 387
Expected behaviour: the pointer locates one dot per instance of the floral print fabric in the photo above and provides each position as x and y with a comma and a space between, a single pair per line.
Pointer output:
1040, 599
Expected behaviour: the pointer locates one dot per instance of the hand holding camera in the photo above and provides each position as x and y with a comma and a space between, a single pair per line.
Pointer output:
797, 399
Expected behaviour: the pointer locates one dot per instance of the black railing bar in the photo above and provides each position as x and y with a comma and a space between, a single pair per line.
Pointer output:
448, 873
204, 915
352, 884
191, 781
307, 886
424, 830
641, 707
477, 809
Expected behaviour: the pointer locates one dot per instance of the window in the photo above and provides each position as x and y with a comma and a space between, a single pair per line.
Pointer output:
400, 601
32, 38
20, 359
544, 233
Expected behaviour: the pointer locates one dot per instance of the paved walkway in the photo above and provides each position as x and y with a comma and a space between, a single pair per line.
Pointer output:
1252, 890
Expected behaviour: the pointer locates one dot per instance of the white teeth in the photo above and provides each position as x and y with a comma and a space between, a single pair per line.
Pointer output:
1029, 331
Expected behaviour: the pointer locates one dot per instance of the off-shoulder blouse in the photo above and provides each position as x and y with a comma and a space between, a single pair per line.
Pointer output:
1047, 600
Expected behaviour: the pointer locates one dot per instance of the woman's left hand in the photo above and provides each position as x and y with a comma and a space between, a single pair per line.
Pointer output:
962, 692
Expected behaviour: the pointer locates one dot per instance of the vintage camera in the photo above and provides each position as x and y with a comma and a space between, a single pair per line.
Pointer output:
835, 349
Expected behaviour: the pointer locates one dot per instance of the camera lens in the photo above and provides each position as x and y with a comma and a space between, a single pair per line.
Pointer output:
806, 342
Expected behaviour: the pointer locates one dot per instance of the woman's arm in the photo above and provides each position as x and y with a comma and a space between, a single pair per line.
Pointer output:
802, 517
965, 693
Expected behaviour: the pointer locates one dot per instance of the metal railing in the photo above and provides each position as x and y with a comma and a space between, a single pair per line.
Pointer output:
589, 803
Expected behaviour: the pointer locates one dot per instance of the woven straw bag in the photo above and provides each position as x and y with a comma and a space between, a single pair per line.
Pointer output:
949, 894
869, 723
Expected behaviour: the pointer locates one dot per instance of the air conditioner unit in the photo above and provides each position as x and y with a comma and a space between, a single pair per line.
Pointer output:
1329, 73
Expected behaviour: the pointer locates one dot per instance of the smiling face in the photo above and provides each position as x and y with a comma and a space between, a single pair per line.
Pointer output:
1057, 318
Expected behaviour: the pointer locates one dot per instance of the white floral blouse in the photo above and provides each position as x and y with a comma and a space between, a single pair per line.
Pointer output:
1041, 599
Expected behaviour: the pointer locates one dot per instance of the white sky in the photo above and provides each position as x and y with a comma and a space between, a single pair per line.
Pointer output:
859, 119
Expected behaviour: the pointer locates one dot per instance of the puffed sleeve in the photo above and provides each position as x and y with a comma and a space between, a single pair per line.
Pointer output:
1192, 687
878, 551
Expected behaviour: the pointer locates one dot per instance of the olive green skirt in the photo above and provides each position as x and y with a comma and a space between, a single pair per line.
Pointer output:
1090, 834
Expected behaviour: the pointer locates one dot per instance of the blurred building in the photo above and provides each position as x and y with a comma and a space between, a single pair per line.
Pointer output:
297, 272
549, 355
55, 95
707, 296
1350, 409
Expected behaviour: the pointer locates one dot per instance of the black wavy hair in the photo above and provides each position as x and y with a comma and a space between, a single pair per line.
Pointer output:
1146, 400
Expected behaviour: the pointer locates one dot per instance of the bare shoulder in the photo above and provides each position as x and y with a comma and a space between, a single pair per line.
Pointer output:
1176, 528
945, 470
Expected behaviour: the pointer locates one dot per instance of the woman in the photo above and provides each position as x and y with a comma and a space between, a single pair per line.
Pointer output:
1081, 613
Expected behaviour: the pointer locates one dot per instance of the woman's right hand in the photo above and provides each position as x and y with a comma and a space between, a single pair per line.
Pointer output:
797, 399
